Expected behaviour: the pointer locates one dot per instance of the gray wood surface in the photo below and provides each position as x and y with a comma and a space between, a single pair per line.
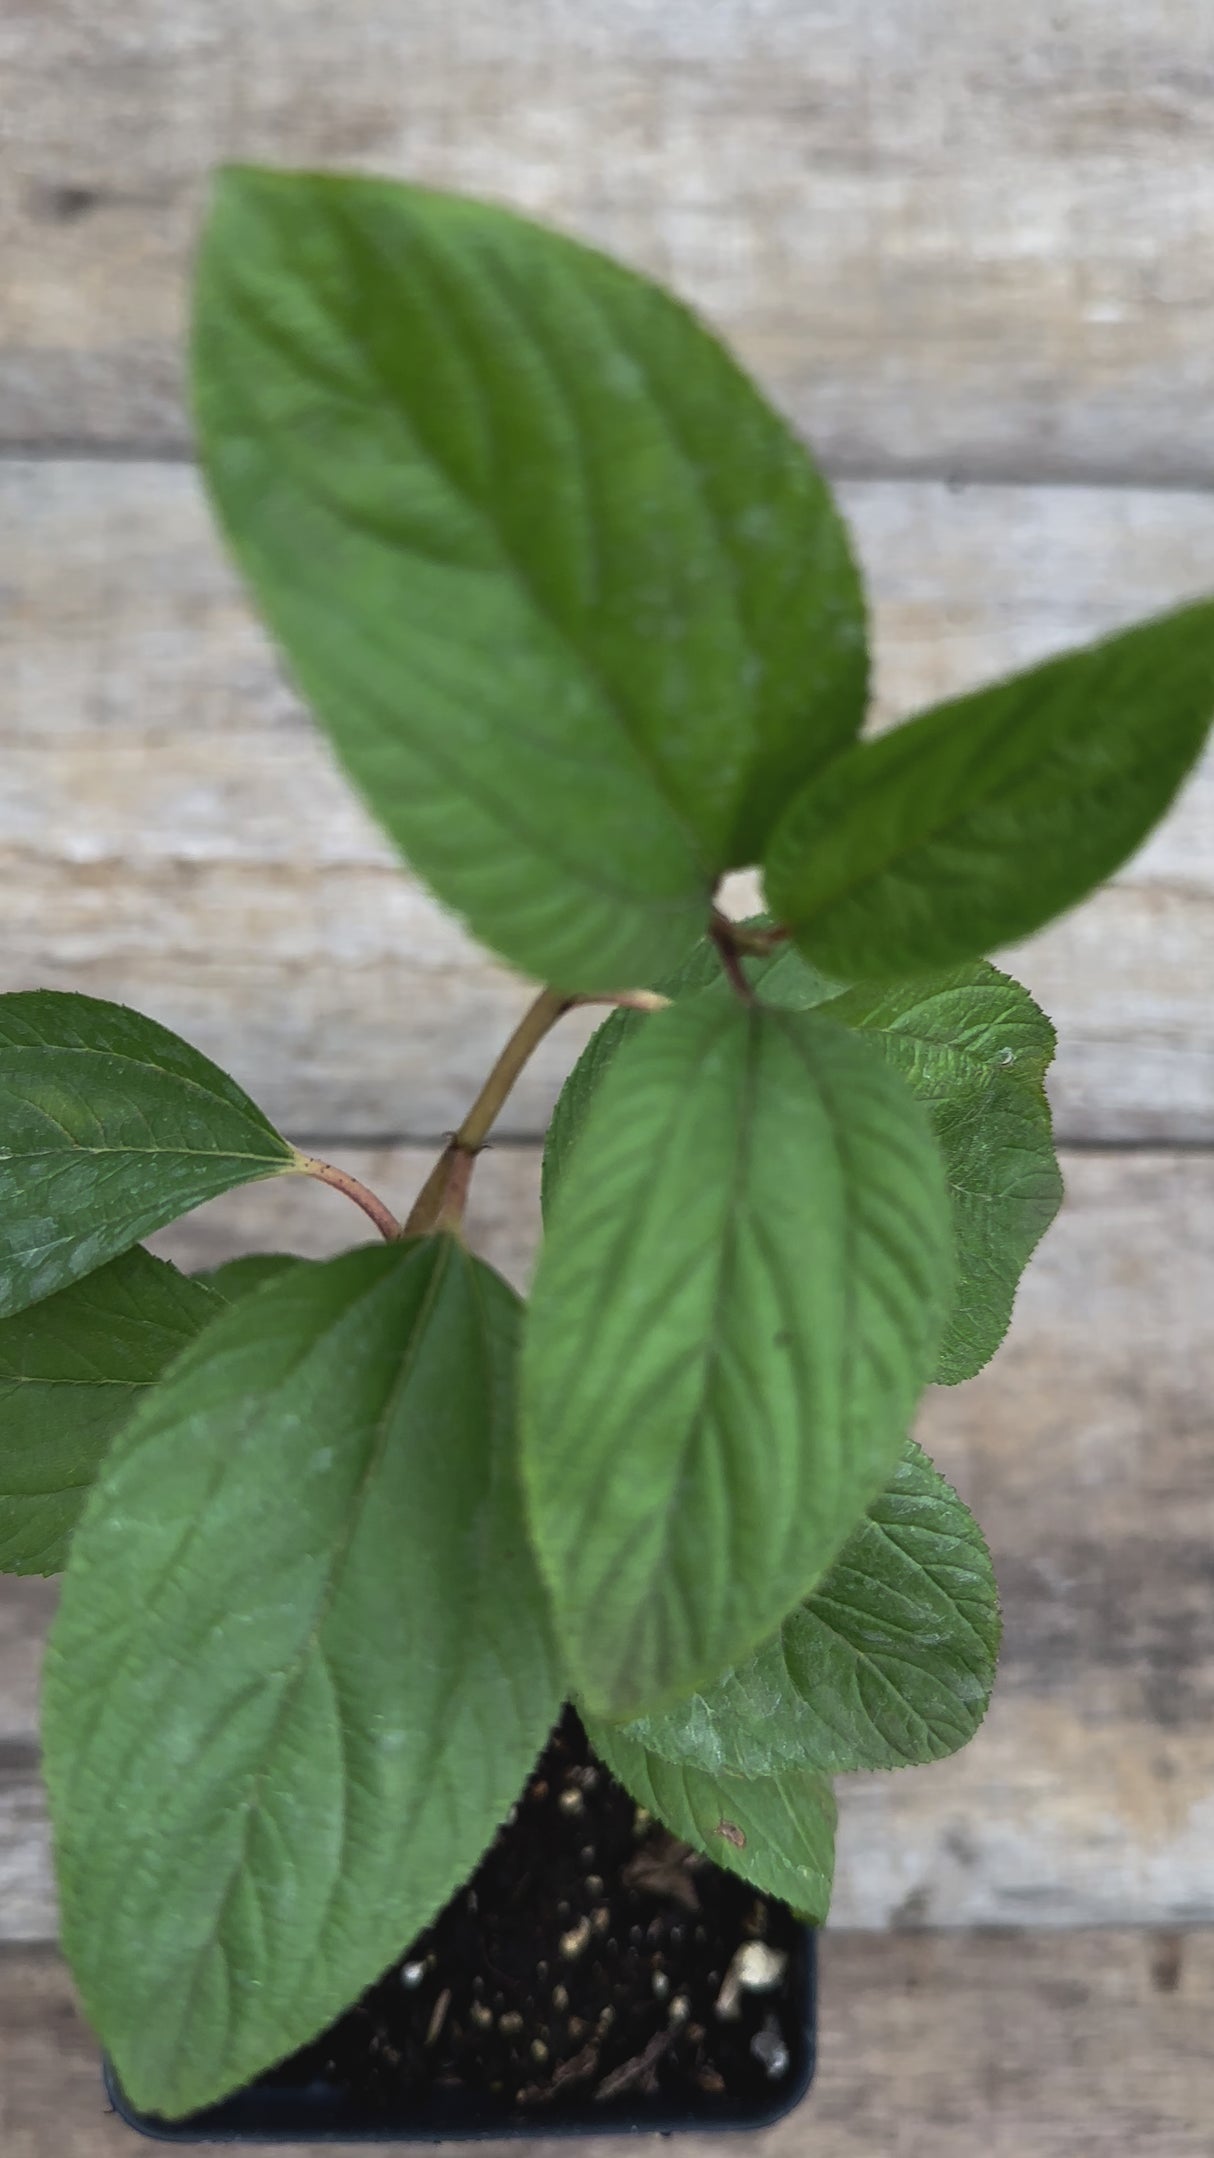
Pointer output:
974, 243
933, 2045
174, 834
1088, 1796
970, 245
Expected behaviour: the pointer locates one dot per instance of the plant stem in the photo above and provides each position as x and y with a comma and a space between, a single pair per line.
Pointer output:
440, 1202
341, 1180
538, 1020
721, 930
631, 1000
745, 938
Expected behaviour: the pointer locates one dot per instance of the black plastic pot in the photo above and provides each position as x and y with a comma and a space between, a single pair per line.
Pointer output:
265, 2113
654, 1991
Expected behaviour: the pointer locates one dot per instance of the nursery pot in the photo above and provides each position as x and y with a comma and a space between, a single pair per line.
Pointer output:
593, 1978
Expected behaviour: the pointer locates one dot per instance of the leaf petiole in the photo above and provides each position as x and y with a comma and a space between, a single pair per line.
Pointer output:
325, 1172
729, 952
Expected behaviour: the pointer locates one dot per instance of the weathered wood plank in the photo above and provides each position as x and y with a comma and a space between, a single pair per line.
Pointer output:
1089, 1794
26, 1609
932, 2046
976, 244
173, 832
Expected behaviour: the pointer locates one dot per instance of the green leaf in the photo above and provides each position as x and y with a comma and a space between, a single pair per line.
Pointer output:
109, 1128
240, 1277
785, 978
301, 1666
739, 1298
778, 1832
574, 1100
890, 1661
978, 821
569, 596
72, 1370
974, 1048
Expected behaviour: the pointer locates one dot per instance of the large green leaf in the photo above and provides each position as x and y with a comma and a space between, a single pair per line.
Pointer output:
72, 1370
109, 1128
568, 595
889, 1662
301, 1666
778, 1832
974, 1048
976, 822
746, 1269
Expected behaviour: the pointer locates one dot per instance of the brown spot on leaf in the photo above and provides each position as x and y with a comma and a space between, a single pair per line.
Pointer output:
732, 1834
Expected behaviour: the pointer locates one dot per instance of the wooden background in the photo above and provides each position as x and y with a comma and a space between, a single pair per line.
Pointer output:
971, 251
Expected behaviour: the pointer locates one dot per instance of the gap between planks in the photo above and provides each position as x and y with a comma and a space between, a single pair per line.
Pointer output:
972, 241
223, 877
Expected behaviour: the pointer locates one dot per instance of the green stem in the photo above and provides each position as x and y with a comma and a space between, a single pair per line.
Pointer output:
440, 1202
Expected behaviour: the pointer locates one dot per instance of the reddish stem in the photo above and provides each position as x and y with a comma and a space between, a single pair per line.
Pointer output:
341, 1180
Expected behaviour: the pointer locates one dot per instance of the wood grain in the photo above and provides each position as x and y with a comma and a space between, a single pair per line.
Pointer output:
931, 2046
173, 832
1088, 1797
977, 244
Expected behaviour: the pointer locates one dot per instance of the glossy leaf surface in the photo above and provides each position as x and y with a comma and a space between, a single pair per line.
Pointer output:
110, 1127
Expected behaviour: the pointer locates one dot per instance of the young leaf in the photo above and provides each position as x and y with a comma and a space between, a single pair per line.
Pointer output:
786, 978
973, 824
890, 1661
316, 1520
739, 1298
72, 1370
974, 1048
109, 1128
570, 598
240, 1277
778, 1832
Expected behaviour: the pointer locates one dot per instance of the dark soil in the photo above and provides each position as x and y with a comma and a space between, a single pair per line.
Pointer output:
591, 1966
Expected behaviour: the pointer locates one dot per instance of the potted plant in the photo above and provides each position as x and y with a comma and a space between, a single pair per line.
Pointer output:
350, 1547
